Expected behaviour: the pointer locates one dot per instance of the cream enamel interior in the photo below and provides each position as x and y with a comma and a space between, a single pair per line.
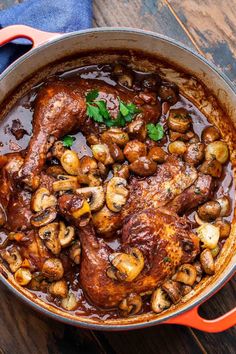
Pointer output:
116, 39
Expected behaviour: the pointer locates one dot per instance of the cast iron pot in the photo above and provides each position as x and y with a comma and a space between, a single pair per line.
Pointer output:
50, 46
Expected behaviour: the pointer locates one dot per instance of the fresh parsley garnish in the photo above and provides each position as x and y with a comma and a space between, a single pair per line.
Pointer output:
68, 141
155, 132
167, 259
97, 110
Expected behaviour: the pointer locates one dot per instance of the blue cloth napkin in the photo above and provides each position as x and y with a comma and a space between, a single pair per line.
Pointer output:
46, 15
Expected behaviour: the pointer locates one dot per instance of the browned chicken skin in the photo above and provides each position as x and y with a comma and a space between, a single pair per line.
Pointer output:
160, 236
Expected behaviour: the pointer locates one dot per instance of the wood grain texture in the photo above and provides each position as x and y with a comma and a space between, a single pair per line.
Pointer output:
208, 26
212, 25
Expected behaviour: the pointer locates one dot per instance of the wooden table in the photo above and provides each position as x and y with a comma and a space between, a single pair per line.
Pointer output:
208, 27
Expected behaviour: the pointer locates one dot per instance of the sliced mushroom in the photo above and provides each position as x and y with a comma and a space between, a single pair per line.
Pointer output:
69, 303
101, 153
126, 267
209, 235
225, 205
211, 167
217, 149
66, 234
94, 195
224, 227
179, 120
65, 183
169, 91
53, 269
159, 301
207, 262
12, 257
143, 166
134, 149
50, 235
198, 220
209, 211
106, 222
59, 288
115, 135
44, 217
116, 194
70, 162
173, 290
137, 129
116, 152
42, 199
23, 276
131, 305
198, 268
75, 252
186, 274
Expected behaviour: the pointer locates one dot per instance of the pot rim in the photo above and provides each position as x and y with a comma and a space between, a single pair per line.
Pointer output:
201, 298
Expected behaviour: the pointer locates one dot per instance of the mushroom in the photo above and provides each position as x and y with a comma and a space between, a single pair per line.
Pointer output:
131, 305
177, 147
198, 268
66, 234
53, 269
169, 91
75, 252
115, 135
49, 234
186, 289
75, 209
198, 220
209, 211
194, 154
44, 217
210, 134
12, 257
55, 170
23, 276
116, 152
137, 129
143, 166
173, 290
134, 149
126, 79
159, 301
217, 149
70, 162
209, 235
65, 183
211, 167
94, 195
69, 303
57, 149
121, 171
126, 267
42, 199
224, 227
101, 153
179, 120
186, 274
157, 154
207, 262
116, 194
225, 205
59, 288
103, 170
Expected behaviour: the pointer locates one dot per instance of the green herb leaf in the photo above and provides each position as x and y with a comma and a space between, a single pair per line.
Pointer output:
103, 109
155, 132
94, 112
92, 95
132, 108
124, 109
68, 141
167, 259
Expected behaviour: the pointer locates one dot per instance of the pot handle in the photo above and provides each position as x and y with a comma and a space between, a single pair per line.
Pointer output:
37, 37
193, 319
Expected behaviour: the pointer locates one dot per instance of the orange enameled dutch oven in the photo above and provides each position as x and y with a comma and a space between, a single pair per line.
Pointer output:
48, 47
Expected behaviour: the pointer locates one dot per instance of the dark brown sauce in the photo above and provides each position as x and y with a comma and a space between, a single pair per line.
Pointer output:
8, 143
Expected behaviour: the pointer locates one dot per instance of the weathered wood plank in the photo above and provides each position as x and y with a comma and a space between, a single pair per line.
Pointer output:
211, 24
23, 331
